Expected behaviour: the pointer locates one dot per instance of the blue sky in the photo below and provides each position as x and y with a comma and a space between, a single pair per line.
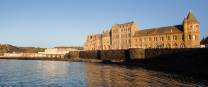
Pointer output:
49, 23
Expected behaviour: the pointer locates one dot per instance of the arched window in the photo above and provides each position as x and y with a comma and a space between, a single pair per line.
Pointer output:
194, 37
174, 37
189, 37
169, 38
155, 38
129, 30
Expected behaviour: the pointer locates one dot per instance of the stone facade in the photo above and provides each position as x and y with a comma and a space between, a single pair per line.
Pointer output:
122, 35
106, 40
127, 35
93, 42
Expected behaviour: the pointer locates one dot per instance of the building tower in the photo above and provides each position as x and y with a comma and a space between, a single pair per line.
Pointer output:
122, 35
191, 31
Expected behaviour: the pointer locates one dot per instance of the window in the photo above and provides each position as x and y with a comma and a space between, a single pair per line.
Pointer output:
194, 37
129, 30
155, 38
189, 37
174, 37
161, 38
169, 38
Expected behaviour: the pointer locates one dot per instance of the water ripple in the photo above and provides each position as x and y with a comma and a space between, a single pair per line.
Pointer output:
33, 73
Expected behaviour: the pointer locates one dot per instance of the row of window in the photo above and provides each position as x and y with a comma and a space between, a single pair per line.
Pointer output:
122, 30
125, 35
162, 38
194, 26
192, 37
106, 42
126, 30
168, 45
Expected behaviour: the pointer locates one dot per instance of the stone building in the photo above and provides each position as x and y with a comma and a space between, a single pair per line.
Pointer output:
106, 40
94, 42
122, 35
127, 35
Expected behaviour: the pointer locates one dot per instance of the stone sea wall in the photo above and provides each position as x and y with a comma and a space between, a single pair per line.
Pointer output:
89, 54
149, 53
191, 60
72, 55
136, 54
132, 54
188, 60
114, 55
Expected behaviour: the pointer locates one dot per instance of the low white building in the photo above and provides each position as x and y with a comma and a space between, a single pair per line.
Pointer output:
49, 52
57, 50
23, 55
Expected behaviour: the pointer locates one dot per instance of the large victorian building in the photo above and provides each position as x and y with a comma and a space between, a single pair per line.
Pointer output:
127, 35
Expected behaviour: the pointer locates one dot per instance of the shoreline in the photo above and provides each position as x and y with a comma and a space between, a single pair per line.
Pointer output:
52, 59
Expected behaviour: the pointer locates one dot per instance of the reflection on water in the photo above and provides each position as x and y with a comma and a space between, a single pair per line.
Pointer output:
120, 76
33, 73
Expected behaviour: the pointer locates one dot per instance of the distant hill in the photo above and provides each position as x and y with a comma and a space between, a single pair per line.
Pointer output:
7, 48
4, 48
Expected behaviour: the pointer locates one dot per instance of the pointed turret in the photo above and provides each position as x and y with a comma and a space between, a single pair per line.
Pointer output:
190, 18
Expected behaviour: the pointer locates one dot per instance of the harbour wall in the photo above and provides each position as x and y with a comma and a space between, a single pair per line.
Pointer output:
187, 60
132, 54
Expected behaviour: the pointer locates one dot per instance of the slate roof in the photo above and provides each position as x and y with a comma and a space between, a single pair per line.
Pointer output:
160, 30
